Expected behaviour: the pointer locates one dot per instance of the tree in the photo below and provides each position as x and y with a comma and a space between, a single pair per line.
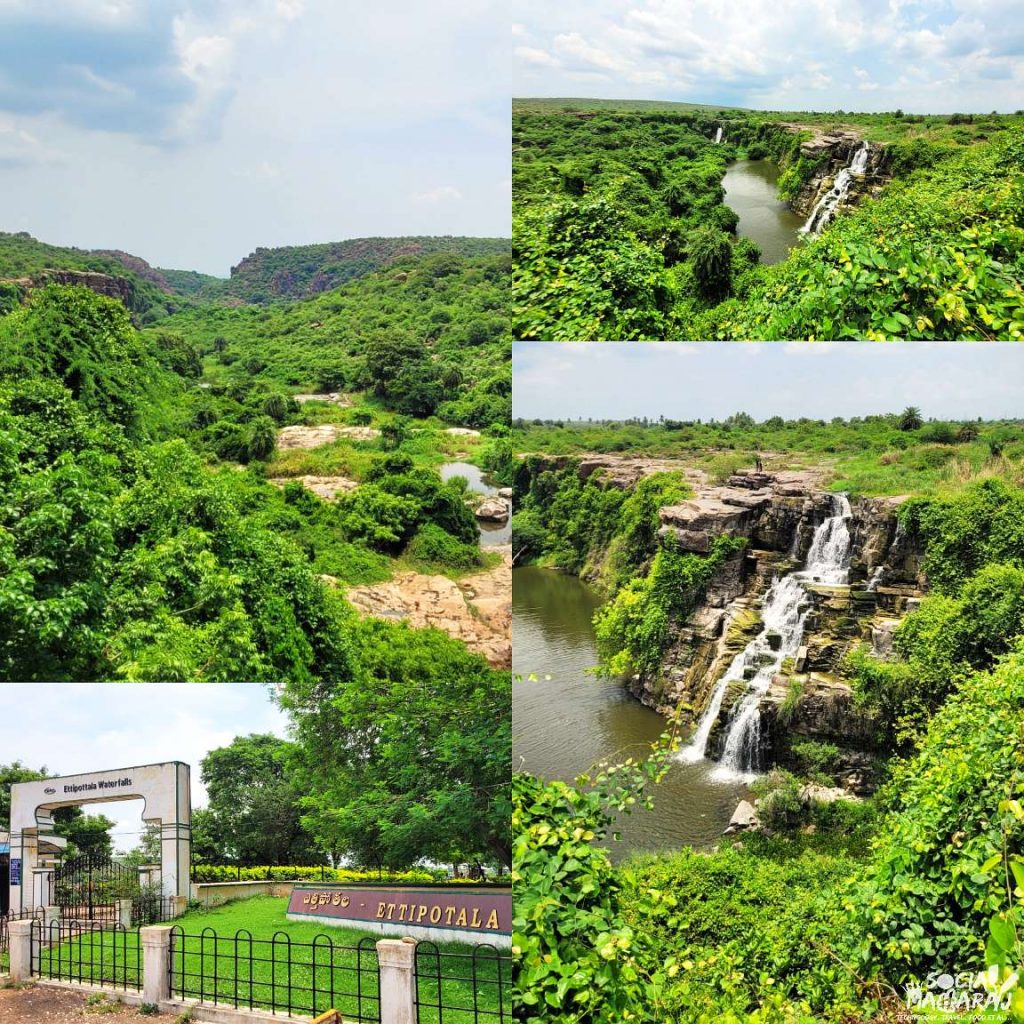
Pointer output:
85, 833
411, 760
711, 253
255, 803
910, 419
10, 774
262, 436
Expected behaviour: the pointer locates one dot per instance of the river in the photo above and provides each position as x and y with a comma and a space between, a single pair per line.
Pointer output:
751, 189
562, 725
491, 534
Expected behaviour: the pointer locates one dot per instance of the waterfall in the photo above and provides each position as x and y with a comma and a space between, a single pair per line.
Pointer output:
718, 135
783, 613
876, 579
829, 202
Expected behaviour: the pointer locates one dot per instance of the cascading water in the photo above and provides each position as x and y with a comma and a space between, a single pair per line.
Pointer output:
827, 205
876, 579
718, 135
783, 613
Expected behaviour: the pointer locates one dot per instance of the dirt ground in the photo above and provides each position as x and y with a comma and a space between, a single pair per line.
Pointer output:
40, 1003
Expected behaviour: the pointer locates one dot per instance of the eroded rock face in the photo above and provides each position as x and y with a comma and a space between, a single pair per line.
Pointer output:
477, 610
836, 150
313, 437
334, 397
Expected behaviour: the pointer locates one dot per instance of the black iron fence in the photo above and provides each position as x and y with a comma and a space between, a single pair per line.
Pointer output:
463, 988
16, 915
88, 953
277, 974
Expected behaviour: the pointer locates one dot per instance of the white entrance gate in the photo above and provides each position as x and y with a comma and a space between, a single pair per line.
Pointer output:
168, 804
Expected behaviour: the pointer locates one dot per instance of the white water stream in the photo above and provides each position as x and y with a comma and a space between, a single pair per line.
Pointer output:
783, 612
827, 205
718, 135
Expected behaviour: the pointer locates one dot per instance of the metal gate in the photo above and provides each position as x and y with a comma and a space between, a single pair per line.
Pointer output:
87, 888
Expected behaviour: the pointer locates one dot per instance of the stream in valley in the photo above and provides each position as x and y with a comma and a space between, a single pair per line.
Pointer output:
562, 725
491, 534
751, 189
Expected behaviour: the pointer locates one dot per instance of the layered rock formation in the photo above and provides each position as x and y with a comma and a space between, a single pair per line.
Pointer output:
808, 698
837, 151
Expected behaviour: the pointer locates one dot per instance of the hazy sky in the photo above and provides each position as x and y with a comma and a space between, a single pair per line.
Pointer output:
819, 381
927, 56
87, 727
191, 131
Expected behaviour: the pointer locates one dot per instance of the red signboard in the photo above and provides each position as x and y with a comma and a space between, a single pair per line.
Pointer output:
477, 910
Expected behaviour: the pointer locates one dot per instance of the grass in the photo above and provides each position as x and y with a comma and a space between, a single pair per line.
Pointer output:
867, 457
248, 953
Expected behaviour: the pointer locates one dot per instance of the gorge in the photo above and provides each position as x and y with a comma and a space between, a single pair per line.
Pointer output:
756, 670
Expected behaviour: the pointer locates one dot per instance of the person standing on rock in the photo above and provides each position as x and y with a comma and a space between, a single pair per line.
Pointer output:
758, 464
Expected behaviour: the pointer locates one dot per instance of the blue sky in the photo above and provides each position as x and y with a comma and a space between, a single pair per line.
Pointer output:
925, 56
701, 381
87, 727
191, 131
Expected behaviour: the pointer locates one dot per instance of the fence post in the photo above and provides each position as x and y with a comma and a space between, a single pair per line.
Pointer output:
156, 963
397, 959
19, 936
50, 915
124, 913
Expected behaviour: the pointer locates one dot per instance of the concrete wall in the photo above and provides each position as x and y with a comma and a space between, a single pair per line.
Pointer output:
213, 894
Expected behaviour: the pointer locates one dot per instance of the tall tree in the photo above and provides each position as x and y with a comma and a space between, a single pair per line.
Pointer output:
255, 803
411, 761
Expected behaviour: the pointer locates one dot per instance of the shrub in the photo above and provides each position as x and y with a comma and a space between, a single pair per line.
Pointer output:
711, 255
434, 549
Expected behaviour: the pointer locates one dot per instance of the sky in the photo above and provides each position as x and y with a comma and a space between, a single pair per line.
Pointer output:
922, 56
189, 132
88, 727
703, 381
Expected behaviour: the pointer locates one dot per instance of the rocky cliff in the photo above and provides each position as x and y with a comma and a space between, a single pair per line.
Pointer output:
833, 152
808, 698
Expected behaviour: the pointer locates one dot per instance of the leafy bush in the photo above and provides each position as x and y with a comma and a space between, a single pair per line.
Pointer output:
711, 253
633, 629
937, 876
435, 550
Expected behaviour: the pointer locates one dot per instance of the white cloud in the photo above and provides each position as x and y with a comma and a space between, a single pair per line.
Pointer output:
781, 53
541, 58
441, 194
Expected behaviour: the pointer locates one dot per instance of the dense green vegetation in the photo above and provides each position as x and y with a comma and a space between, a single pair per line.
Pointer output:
139, 537
24, 262
863, 456
845, 912
621, 233
300, 271
425, 336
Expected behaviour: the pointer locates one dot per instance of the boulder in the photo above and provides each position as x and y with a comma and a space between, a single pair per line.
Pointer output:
743, 819
289, 438
493, 510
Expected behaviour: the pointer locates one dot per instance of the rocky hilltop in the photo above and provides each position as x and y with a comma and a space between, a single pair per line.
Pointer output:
300, 271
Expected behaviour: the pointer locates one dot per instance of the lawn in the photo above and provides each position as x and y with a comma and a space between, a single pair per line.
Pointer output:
249, 954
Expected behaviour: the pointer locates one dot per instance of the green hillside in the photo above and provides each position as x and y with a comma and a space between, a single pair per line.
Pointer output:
303, 270
25, 261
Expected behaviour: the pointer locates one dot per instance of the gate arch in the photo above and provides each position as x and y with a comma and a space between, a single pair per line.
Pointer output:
165, 790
